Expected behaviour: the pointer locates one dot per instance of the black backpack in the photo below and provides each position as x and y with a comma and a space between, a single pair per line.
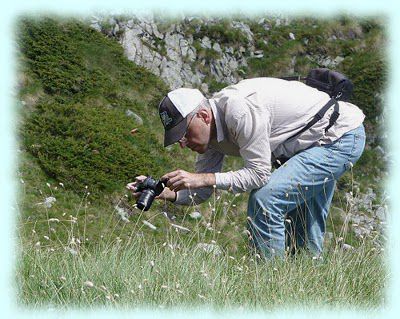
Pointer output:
335, 84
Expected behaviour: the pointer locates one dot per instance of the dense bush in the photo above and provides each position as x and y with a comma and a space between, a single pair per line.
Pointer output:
72, 59
84, 145
368, 72
78, 131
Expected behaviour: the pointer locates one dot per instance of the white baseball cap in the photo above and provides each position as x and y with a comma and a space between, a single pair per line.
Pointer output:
173, 110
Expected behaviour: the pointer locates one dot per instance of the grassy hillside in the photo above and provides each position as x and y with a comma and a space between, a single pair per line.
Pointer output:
77, 92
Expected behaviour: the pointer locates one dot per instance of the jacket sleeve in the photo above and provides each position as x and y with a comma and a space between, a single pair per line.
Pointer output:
249, 128
209, 162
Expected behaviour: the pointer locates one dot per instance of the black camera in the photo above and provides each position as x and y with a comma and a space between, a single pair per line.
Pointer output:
149, 188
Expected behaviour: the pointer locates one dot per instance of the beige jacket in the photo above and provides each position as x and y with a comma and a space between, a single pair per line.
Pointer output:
253, 120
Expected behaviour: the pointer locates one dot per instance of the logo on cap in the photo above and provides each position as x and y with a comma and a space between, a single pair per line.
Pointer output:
165, 118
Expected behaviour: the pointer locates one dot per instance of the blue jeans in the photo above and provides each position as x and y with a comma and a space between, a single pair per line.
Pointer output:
301, 192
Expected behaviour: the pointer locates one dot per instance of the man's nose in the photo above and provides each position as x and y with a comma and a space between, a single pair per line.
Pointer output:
182, 144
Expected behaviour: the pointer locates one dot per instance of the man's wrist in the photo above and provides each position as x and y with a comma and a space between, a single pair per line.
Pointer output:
208, 179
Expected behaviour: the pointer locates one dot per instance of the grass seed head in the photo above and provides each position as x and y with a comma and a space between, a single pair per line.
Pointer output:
88, 284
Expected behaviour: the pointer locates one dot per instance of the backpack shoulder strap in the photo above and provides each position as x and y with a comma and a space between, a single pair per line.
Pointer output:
319, 116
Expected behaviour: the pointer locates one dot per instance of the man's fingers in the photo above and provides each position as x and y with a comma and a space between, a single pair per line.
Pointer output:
140, 178
173, 180
172, 174
131, 186
179, 185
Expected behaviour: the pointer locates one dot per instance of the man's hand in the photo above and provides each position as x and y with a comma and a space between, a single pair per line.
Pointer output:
180, 179
166, 193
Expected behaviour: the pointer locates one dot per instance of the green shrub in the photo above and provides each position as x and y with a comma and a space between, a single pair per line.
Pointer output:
223, 32
83, 145
74, 60
215, 86
368, 72
78, 131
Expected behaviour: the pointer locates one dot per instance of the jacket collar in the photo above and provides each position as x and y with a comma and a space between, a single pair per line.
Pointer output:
217, 118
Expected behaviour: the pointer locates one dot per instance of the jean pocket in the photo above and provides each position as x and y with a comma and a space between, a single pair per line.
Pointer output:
358, 147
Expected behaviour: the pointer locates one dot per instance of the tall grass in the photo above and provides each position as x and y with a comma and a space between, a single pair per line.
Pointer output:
137, 270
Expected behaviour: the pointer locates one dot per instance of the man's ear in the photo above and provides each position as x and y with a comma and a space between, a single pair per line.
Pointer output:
205, 114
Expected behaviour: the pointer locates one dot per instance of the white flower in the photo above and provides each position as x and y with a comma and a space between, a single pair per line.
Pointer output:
88, 284
48, 185
46, 237
48, 202
72, 251
195, 215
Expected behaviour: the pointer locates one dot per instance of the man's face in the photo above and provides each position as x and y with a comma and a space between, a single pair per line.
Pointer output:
198, 133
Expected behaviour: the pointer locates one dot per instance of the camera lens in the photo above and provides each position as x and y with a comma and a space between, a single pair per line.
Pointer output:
146, 199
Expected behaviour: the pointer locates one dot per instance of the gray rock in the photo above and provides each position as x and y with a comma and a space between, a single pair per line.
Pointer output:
134, 116
195, 215
217, 47
205, 43
204, 88
380, 213
338, 60
96, 25
244, 28
347, 247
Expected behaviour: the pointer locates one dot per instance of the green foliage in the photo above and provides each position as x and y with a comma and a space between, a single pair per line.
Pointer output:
78, 130
221, 31
358, 41
133, 272
368, 72
215, 86
84, 145
74, 60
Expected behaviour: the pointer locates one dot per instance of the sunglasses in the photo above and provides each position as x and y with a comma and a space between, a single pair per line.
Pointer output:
184, 138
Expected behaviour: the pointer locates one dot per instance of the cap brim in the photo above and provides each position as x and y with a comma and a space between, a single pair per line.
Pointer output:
175, 133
